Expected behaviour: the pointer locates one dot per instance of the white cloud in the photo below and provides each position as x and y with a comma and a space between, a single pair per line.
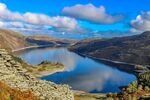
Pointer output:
65, 23
141, 23
58, 21
6, 14
92, 14
16, 24
1, 24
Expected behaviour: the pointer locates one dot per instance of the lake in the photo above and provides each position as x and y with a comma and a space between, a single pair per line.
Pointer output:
81, 73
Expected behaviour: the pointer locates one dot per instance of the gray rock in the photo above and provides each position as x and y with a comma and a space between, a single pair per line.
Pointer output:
15, 76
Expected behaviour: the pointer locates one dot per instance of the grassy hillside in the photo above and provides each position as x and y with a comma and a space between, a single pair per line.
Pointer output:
42, 69
131, 49
11, 40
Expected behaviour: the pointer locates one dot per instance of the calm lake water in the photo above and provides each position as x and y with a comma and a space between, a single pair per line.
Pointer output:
81, 73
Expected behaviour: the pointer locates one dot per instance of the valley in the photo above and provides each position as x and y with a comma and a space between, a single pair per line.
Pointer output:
55, 59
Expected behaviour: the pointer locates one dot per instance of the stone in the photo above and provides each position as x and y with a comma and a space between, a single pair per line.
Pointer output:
140, 87
146, 88
16, 76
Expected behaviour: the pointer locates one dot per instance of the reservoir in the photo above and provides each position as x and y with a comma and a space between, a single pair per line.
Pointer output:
81, 73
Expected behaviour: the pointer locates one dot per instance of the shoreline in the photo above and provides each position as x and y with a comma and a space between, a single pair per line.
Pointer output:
16, 76
116, 64
86, 95
29, 47
112, 63
81, 95
50, 72
77, 92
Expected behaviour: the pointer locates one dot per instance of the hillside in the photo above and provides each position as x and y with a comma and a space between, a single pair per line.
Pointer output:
131, 49
14, 75
16, 83
44, 40
11, 40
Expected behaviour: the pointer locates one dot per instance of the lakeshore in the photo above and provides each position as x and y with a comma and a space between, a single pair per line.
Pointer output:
16, 76
62, 55
29, 47
124, 66
78, 95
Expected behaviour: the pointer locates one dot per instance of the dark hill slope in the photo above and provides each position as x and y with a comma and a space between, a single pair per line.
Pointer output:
132, 49
44, 40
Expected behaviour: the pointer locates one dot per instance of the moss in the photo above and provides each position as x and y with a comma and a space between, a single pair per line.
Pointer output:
7, 93
140, 67
137, 90
133, 86
37, 69
45, 66
144, 78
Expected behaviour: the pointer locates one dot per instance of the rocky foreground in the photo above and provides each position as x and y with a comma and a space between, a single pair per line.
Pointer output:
13, 74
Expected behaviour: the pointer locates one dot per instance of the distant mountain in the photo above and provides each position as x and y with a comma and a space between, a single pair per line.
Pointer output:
11, 40
131, 49
44, 40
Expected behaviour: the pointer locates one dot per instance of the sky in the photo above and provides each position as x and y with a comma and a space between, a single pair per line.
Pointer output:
76, 19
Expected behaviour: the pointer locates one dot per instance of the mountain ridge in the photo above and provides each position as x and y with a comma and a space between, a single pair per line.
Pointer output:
12, 41
131, 49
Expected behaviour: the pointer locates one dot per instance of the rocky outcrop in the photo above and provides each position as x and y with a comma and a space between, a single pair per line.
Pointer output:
144, 78
14, 75
137, 90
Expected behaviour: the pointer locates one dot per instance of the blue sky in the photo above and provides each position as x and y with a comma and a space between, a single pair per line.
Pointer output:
55, 6
100, 15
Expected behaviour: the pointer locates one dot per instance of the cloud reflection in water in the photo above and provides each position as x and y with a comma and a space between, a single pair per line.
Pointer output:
80, 73
96, 79
67, 58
